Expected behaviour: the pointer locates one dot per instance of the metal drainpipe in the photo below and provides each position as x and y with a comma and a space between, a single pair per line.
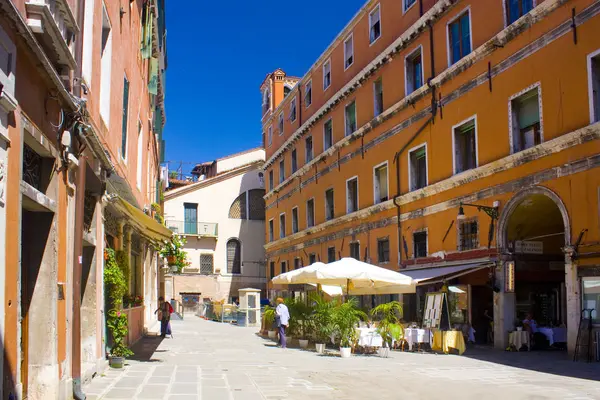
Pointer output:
78, 234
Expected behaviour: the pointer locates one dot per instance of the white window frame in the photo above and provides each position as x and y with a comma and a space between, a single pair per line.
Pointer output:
324, 130
350, 38
473, 117
270, 136
387, 178
282, 232
325, 197
313, 213
271, 229
537, 85
346, 133
327, 65
377, 9
312, 149
357, 195
306, 87
410, 56
405, 9
426, 230
297, 220
281, 123
505, 11
375, 113
593, 118
293, 106
379, 239
410, 167
282, 176
458, 15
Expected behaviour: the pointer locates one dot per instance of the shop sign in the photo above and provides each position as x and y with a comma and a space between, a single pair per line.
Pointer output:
527, 247
509, 277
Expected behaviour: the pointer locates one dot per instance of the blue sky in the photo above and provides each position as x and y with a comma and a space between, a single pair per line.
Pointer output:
218, 54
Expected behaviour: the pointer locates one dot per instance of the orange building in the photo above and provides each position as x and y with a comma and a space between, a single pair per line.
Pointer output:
456, 141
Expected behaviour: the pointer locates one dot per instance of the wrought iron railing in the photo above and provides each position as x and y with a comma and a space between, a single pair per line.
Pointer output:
204, 229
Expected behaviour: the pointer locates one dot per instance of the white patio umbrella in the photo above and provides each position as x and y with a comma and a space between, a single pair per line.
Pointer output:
357, 277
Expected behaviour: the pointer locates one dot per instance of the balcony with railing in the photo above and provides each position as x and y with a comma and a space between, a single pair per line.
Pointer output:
191, 228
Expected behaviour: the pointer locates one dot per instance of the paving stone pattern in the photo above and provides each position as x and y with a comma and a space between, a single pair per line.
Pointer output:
212, 361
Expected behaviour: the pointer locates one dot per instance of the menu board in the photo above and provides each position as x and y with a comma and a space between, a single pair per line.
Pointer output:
436, 311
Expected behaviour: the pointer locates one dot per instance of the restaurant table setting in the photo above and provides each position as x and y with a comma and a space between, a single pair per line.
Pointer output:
517, 339
416, 335
446, 340
554, 335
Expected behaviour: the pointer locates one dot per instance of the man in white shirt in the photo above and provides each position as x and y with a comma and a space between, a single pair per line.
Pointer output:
283, 319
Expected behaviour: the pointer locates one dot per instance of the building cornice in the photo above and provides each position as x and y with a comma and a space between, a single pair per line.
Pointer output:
483, 51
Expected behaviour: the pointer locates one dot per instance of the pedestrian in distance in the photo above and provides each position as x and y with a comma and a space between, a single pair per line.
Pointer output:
282, 320
164, 316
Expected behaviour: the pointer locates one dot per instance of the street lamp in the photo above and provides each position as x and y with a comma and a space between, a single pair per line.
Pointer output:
492, 212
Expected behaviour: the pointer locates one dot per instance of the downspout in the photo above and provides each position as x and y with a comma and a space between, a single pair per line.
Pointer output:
78, 234
417, 133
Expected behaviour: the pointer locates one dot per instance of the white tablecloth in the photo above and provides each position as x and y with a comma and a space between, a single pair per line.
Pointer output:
519, 338
412, 336
554, 335
368, 337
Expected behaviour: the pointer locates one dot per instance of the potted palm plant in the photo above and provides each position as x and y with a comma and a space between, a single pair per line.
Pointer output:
269, 314
346, 318
322, 320
389, 326
305, 326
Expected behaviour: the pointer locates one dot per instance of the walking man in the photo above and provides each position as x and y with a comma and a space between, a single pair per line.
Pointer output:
283, 316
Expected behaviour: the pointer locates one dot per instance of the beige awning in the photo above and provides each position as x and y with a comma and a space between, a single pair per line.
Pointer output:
146, 225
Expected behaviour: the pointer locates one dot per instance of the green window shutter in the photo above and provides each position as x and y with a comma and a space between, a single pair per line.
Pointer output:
125, 117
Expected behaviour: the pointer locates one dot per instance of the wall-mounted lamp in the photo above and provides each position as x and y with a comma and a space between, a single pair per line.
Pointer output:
491, 211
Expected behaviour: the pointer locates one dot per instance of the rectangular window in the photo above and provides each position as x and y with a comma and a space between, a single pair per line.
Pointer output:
296, 263
417, 166
465, 146
350, 117
294, 161
351, 195
140, 155
459, 38
125, 118
414, 71
190, 218
329, 208
594, 86
525, 120
591, 297
293, 110
270, 135
88, 42
281, 171
326, 74
271, 180
378, 97
348, 52
308, 94
380, 183
283, 267
375, 24
206, 264
406, 4
468, 235
281, 226
310, 213
105, 66
355, 250
383, 250
309, 149
295, 220
312, 258
280, 124
327, 134
271, 230
515, 9
272, 269
420, 244
330, 254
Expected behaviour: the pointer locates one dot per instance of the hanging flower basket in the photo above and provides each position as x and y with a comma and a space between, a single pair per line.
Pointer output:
172, 260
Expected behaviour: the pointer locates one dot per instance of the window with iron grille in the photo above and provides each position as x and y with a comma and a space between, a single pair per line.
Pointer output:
331, 254
468, 235
206, 264
234, 256
420, 244
355, 250
238, 207
256, 204
383, 250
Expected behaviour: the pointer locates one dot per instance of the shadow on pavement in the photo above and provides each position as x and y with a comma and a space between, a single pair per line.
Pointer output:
550, 362
145, 348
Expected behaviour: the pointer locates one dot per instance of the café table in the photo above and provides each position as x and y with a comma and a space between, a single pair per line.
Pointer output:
414, 335
554, 335
444, 341
517, 339
368, 337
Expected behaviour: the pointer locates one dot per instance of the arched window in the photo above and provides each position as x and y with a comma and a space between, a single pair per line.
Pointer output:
256, 204
266, 101
234, 256
238, 207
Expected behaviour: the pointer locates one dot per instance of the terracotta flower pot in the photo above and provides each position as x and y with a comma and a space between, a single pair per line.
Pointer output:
171, 260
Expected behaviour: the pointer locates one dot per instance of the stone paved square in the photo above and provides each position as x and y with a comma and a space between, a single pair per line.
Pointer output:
213, 361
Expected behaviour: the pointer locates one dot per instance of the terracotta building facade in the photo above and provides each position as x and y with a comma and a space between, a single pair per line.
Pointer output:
81, 118
442, 140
